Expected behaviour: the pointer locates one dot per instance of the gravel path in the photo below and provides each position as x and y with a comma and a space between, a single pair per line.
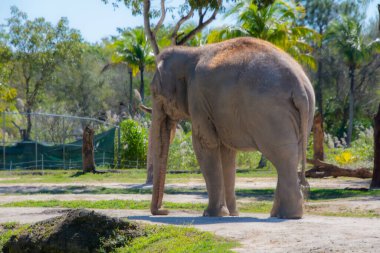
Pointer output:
256, 232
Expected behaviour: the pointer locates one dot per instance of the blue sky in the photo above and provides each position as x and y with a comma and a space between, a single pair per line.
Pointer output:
93, 18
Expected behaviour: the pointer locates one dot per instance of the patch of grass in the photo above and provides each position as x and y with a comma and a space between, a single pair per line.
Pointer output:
324, 194
173, 239
249, 207
255, 207
315, 193
350, 213
9, 229
10, 225
117, 176
103, 204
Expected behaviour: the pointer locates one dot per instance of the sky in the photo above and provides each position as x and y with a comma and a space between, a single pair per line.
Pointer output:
93, 18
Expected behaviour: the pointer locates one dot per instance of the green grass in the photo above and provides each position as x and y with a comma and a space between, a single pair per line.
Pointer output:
260, 194
103, 204
315, 194
251, 207
172, 239
156, 239
9, 229
254, 207
115, 176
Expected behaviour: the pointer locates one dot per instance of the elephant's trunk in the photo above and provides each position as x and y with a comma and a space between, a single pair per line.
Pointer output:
160, 131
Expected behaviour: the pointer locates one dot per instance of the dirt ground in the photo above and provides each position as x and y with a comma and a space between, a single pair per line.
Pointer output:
255, 232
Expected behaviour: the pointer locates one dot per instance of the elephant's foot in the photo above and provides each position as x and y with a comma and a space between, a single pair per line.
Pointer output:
234, 212
287, 211
216, 212
159, 211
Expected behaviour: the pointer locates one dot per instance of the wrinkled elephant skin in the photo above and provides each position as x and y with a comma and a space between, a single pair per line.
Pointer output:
243, 94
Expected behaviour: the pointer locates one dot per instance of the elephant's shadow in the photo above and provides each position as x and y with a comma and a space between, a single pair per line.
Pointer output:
199, 220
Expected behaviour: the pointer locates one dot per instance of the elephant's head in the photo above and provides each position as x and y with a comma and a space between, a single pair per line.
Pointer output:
169, 94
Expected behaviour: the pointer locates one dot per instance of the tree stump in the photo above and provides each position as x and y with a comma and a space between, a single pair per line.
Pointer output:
88, 150
375, 183
318, 137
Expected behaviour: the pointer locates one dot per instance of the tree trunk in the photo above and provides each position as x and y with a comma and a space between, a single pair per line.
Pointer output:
130, 94
322, 169
262, 162
318, 137
351, 105
376, 161
88, 150
142, 84
26, 136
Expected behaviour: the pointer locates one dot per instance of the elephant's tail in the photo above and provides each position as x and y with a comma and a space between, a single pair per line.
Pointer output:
304, 105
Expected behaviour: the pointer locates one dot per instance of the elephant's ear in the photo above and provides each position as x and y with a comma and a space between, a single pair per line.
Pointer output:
164, 81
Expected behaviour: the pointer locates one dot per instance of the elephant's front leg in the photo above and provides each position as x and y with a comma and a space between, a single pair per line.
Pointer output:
228, 157
208, 155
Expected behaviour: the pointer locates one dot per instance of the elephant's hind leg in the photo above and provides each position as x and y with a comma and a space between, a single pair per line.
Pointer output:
288, 202
228, 157
210, 162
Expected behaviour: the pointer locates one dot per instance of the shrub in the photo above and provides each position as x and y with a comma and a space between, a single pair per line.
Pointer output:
133, 142
181, 153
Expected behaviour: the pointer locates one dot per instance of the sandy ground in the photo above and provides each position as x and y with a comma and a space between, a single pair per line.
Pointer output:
256, 232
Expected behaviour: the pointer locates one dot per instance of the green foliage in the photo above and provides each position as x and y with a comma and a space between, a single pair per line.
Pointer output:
346, 36
360, 154
181, 153
134, 141
276, 23
7, 97
133, 49
248, 160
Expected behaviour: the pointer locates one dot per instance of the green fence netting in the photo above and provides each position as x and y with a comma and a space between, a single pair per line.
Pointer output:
30, 154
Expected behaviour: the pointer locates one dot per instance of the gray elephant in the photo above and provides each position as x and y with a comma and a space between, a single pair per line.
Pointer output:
242, 94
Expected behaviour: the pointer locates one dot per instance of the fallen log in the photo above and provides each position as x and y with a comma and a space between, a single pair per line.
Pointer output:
323, 169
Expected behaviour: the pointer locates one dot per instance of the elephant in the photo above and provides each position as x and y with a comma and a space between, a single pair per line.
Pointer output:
242, 94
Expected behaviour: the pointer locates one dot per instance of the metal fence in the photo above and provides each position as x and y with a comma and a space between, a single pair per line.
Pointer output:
53, 141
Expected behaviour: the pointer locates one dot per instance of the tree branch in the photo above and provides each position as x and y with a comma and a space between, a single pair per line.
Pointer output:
183, 19
151, 36
200, 26
162, 18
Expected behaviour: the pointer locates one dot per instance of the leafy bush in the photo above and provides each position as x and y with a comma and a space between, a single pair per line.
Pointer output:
181, 153
248, 160
182, 157
360, 154
133, 142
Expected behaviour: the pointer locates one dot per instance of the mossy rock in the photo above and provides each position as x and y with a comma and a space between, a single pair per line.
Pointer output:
77, 231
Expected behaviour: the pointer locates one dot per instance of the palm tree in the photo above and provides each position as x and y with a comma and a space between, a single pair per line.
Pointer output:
274, 22
134, 49
346, 36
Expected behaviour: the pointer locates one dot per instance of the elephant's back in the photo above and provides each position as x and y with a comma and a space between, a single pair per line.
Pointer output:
256, 81
248, 65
